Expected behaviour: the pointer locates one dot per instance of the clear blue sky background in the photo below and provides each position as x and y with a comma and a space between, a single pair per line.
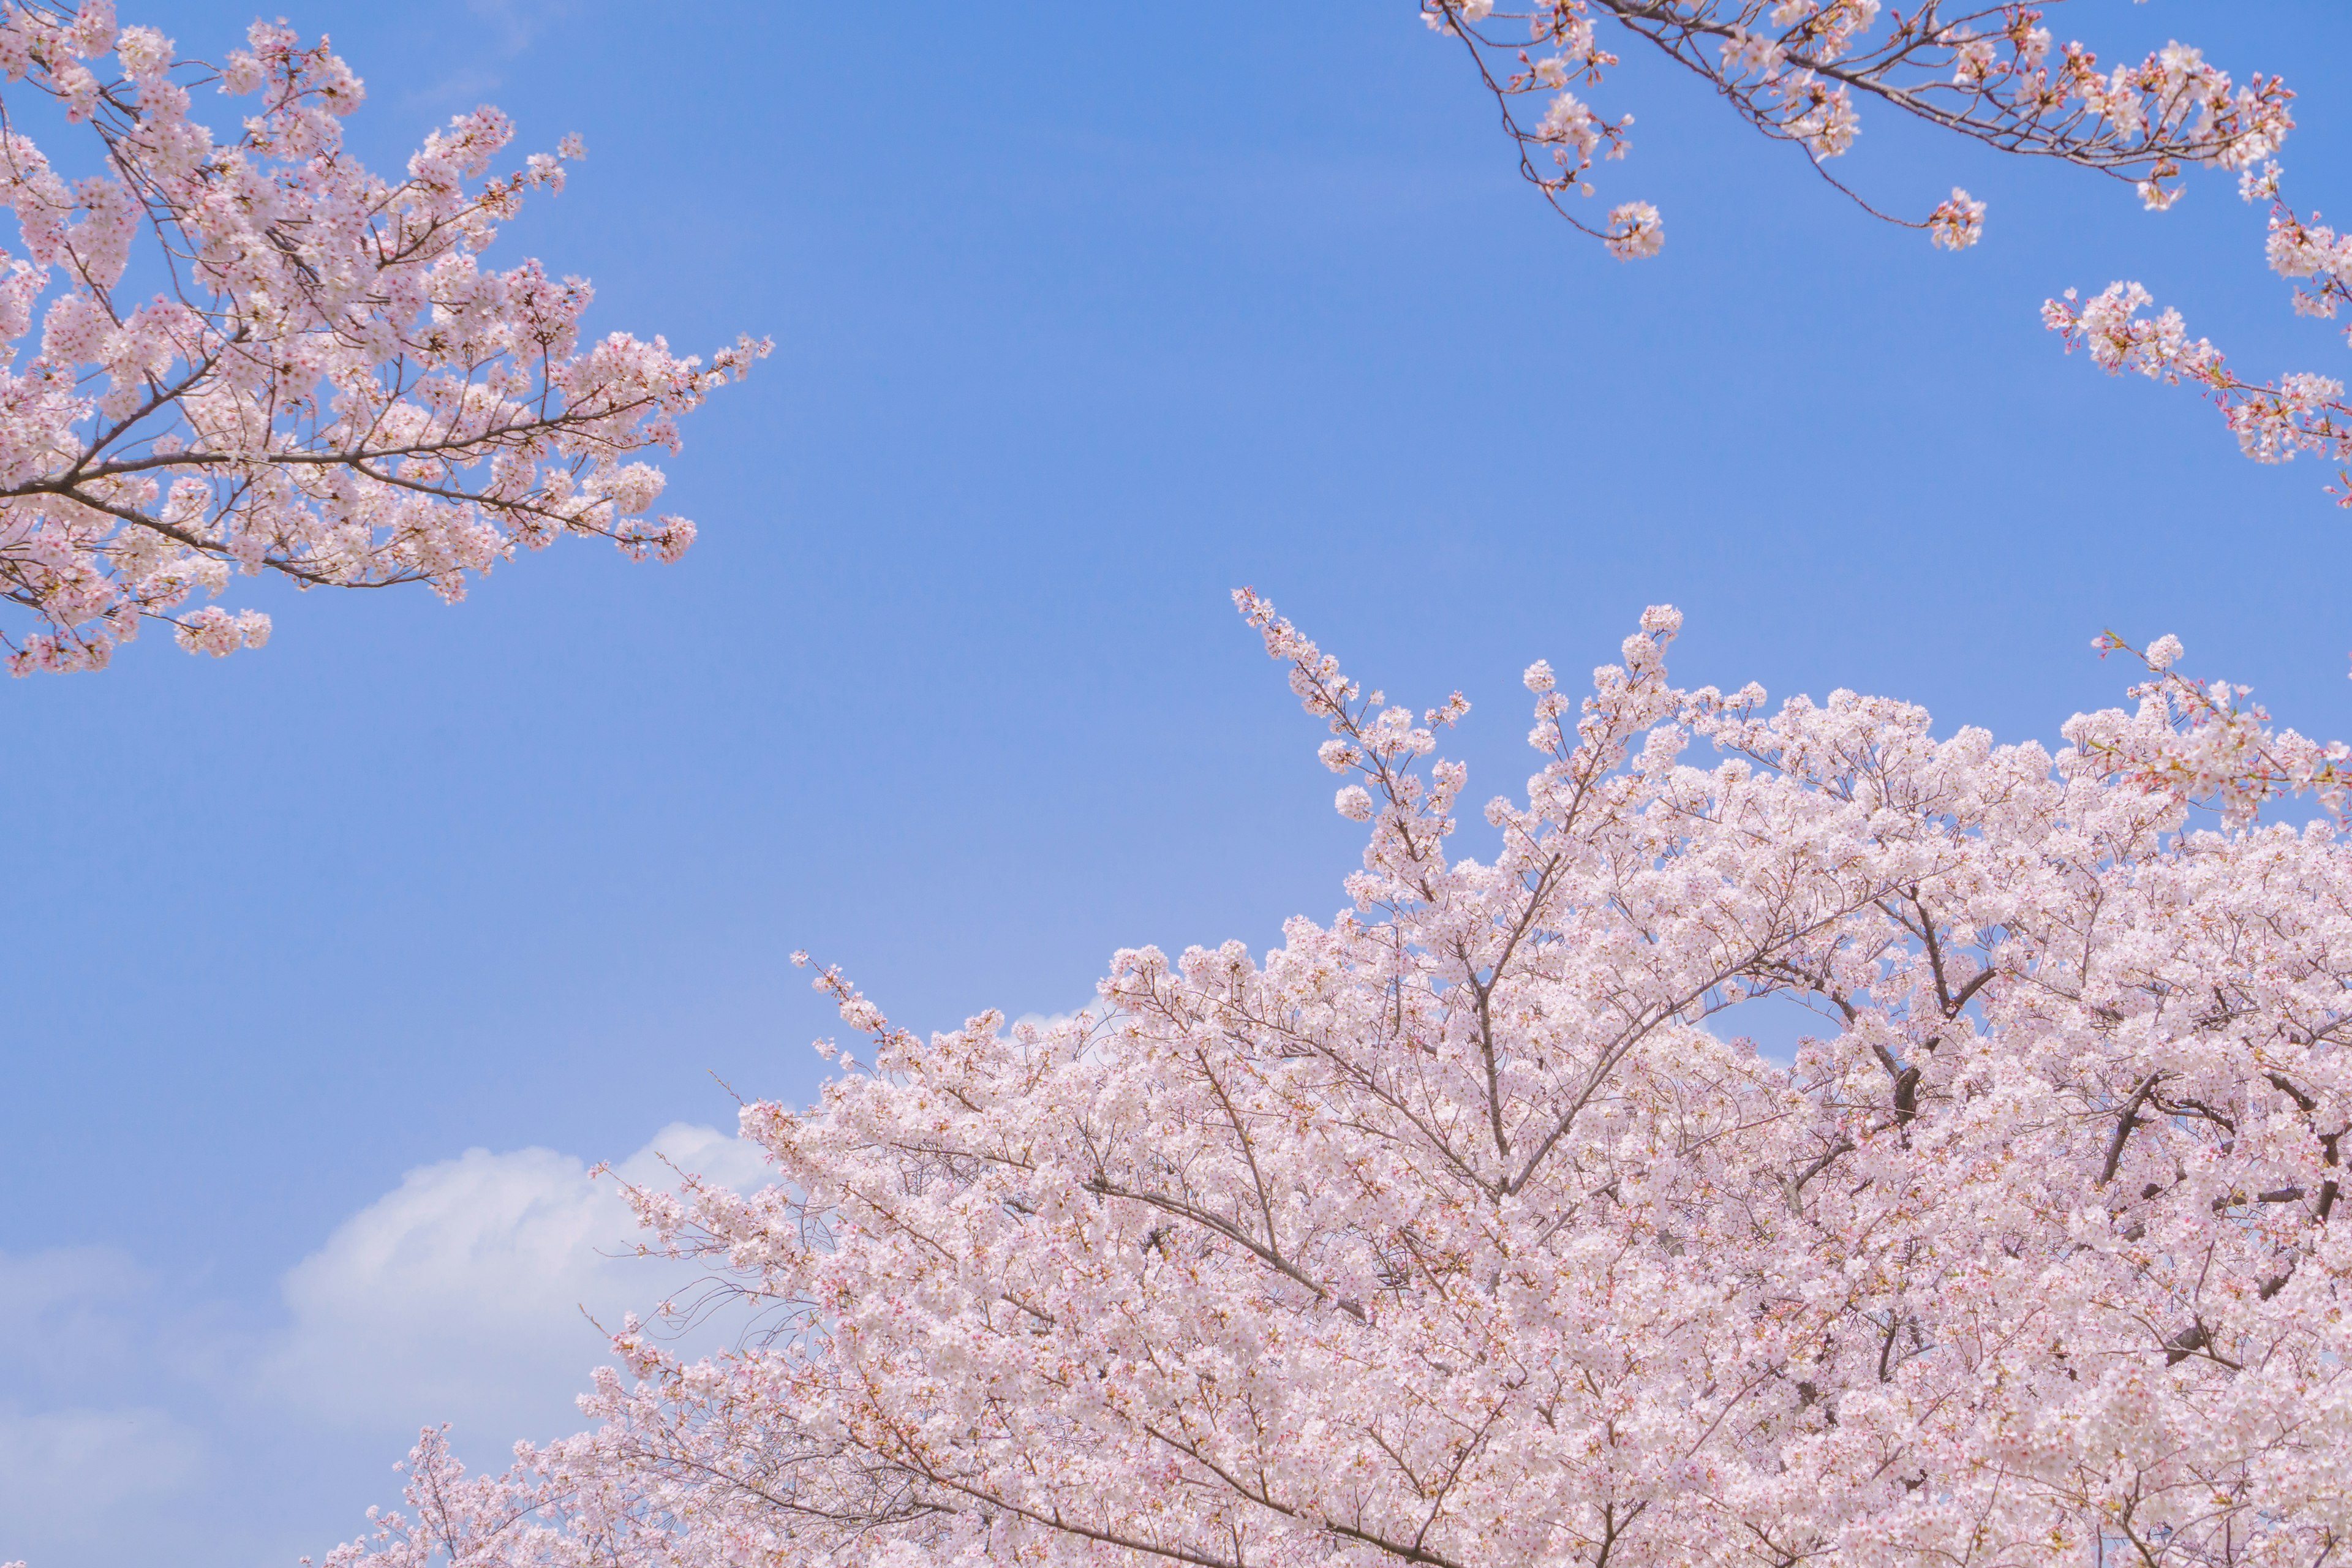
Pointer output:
1084, 316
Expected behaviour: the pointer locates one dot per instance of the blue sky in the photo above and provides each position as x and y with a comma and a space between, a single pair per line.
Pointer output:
1084, 317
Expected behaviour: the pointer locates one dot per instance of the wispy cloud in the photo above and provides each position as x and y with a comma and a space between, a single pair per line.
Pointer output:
516, 24
66, 1476
134, 1412
1092, 1007
465, 1293
506, 30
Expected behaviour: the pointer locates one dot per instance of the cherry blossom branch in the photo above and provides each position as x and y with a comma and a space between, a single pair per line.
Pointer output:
1792, 70
332, 388
2207, 744
2273, 421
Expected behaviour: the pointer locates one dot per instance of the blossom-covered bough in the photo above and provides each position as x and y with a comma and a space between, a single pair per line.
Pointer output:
1797, 70
255, 355
1465, 1231
2274, 420
1802, 70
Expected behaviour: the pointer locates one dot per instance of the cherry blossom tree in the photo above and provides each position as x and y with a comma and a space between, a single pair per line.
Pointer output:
257, 356
1466, 1228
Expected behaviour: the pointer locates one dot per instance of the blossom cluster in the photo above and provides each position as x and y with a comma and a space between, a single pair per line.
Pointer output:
325, 381
1796, 70
1464, 1228
2274, 420
2209, 742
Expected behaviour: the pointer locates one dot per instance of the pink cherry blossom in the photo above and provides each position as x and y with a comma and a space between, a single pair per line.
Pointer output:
1466, 1228
325, 381
1635, 231
2273, 421
2209, 742
1958, 223
1797, 70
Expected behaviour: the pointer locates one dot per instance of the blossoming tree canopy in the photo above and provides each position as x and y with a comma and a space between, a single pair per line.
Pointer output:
1463, 1230
255, 355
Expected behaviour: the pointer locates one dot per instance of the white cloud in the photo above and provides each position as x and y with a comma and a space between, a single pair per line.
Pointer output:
506, 29
85, 1444
65, 1476
74, 1307
520, 22
1093, 1007
67, 1279
457, 93
142, 1420
465, 1294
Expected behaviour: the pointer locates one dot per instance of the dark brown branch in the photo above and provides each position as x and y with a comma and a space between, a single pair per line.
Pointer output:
2128, 1119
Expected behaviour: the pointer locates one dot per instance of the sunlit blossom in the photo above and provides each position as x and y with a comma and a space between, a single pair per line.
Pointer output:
1464, 1228
334, 388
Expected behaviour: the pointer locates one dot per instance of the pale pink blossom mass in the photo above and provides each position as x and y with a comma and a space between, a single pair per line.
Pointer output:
1464, 1228
255, 355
